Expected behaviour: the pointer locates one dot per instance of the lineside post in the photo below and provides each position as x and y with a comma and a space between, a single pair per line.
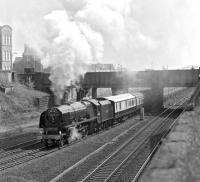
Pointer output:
142, 113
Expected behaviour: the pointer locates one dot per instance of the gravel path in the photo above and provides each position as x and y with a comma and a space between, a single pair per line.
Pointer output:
46, 168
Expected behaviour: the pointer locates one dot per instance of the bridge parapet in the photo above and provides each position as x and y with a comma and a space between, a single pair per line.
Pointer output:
167, 78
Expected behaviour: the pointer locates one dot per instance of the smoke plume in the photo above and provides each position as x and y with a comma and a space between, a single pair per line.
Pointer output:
70, 34
87, 32
73, 45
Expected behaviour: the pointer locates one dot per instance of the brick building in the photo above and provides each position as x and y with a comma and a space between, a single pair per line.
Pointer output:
5, 48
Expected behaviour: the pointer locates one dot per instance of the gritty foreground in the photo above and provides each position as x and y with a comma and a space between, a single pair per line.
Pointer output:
178, 159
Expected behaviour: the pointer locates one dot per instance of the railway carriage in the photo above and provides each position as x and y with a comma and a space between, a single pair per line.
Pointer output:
125, 105
139, 100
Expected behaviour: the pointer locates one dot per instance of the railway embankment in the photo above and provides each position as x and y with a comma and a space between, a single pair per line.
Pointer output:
18, 111
178, 158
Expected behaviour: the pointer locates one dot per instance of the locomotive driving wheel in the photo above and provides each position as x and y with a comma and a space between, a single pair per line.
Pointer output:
46, 143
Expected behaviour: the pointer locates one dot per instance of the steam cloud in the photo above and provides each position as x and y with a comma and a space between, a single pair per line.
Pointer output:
72, 46
74, 135
137, 34
88, 32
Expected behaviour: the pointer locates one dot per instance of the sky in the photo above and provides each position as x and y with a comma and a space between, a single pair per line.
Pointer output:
26, 18
160, 33
137, 34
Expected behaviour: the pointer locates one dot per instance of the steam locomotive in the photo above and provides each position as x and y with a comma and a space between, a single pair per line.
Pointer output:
86, 117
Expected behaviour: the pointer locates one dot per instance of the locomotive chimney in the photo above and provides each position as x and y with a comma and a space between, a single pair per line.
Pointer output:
57, 100
64, 99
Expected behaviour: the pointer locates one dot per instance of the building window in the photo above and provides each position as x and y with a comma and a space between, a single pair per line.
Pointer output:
8, 43
3, 39
5, 56
8, 55
6, 39
10, 40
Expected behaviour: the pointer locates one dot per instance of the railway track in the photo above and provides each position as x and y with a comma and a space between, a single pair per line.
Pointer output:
115, 167
170, 98
8, 151
14, 155
33, 149
149, 156
24, 152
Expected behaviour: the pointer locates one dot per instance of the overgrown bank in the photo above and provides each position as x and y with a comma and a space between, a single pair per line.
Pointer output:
17, 107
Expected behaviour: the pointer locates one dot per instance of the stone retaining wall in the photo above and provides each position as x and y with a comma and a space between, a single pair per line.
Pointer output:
173, 161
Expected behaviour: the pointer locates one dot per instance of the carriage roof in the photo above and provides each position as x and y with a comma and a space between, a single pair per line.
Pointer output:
121, 97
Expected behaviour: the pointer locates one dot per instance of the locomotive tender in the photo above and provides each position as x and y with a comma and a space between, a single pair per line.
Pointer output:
87, 116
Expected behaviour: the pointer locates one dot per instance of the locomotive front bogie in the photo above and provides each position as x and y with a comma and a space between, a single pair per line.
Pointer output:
51, 134
55, 136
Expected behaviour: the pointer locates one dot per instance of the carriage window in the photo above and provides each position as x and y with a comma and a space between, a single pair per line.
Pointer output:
120, 106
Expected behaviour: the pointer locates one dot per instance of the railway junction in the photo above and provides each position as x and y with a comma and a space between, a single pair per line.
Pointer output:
122, 152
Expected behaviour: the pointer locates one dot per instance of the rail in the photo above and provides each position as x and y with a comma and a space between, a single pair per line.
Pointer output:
109, 167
